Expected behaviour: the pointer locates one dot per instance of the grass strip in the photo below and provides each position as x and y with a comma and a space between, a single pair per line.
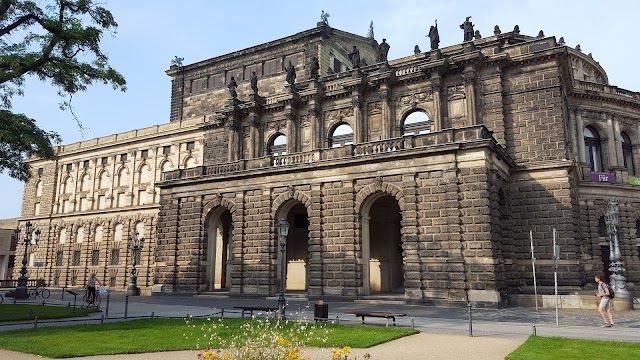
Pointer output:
550, 348
17, 312
153, 335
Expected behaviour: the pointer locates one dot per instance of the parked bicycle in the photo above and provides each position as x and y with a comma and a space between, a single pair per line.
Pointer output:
39, 291
87, 300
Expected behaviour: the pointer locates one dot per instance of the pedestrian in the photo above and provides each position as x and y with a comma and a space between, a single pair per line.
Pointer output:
91, 287
605, 301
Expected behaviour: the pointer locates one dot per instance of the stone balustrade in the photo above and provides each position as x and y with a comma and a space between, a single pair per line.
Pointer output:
607, 89
375, 148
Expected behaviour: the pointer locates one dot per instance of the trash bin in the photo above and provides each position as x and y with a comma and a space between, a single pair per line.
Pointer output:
320, 311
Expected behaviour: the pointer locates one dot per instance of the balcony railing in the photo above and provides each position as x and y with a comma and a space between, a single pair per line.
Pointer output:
374, 148
606, 89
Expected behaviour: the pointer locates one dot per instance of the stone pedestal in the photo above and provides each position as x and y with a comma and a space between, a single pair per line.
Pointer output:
622, 304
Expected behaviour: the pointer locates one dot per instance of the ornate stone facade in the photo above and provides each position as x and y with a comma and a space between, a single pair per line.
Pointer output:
420, 177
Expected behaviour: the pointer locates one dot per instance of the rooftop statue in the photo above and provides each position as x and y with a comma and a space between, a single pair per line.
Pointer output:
467, 26
291, 73
434, 36
232, 87
354, 56
177, 61
324, 17
254, 82
315, 68
383, 50
370, 32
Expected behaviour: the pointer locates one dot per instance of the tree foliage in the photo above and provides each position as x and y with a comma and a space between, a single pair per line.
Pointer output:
59, 43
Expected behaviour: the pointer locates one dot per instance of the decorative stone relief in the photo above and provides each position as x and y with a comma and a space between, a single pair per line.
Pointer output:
339, 114
374, 107
277, 125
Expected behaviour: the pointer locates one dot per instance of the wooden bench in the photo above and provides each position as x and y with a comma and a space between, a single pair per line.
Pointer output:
251, 309
386, 315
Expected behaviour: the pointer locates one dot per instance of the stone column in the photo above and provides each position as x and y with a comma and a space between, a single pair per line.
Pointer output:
292, 138
469, 77
611, 141
254, 148
358, 132
386, 113
572, 135
618, 140
436, 87
233, 140
580, 135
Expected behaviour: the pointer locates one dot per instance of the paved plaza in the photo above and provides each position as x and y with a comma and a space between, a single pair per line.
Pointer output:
444, 331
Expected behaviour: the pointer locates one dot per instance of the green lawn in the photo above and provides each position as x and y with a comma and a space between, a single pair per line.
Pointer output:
151, 335
15, 312
548, 348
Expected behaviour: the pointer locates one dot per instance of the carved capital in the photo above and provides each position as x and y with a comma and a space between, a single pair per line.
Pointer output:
469, 76
356, 101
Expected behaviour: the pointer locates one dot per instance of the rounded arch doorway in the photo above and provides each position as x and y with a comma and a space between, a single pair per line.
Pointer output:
297, 246
217, 249
382, 253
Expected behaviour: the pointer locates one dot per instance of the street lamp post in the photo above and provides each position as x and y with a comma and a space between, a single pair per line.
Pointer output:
135, 244
282, 227
618, 280
29, 239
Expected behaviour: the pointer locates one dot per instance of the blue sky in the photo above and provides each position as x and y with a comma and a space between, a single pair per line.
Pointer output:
151, 33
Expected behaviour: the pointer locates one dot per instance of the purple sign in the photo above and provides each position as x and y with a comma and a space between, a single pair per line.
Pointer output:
603, 177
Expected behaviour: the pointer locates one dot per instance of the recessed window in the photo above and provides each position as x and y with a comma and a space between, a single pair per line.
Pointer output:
115, 256
592, 149
144, 154
191, 145
342, 135
278, 145
123, 157
416, 123
69, 167
104, 161
85, 164
95, 257
166, 150
627, 154
76, 257
40, 171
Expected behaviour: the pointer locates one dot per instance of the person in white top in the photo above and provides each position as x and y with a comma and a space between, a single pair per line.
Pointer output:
91, 286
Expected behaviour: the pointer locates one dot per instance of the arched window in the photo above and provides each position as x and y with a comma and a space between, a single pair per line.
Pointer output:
278, 145
416, 123
98, 234
63, 236
117, 233
84, 182
342, 135
627, 154
592, 149
80, 235
39, 188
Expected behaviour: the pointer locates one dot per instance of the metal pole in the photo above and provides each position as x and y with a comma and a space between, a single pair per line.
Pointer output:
107, 309
281, 299
126, 306
470, 321
533, 263
556, 255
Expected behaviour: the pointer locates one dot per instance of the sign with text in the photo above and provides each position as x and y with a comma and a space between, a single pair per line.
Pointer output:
603, 177
634, 180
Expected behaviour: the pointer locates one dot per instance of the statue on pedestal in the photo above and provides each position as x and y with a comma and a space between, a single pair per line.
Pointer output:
315, 68
291, 73
434, 36
254, 82
232, 87
467, 27
354, 56
383, 50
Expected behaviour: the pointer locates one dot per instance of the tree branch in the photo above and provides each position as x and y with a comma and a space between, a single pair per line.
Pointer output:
17, 23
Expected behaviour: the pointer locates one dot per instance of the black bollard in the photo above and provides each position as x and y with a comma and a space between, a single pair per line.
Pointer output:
470, 321
107, 309
534, 330
102, 319
35, 323
126, 306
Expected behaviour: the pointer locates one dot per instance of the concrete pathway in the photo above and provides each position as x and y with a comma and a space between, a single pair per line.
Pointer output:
419, 346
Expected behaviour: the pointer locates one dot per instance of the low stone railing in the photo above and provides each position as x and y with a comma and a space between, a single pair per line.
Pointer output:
606, 89
375, 148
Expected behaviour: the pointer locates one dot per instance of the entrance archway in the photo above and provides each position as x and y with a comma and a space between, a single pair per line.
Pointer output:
382, 245
297, 249
217, 252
